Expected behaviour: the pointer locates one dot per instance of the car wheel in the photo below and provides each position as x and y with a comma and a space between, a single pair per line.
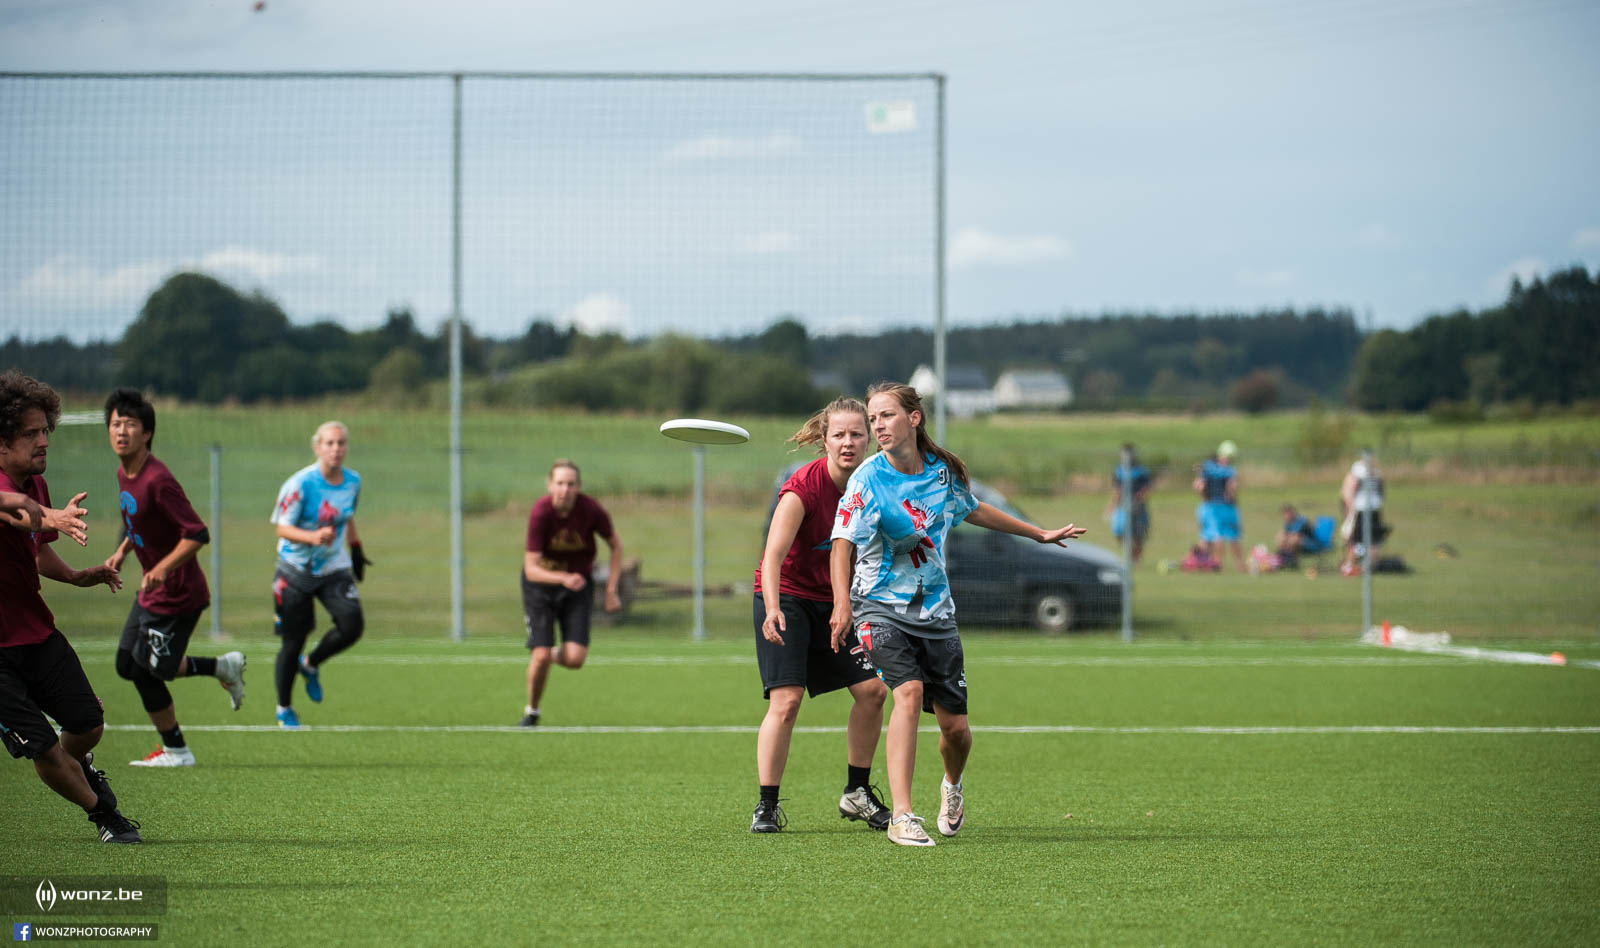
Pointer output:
1053, 613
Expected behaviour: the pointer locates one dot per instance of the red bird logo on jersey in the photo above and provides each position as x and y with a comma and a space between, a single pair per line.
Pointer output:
919, 521
289, 501
327, 513
849, 507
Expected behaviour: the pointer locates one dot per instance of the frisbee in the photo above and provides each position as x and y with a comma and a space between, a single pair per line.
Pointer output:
704, 431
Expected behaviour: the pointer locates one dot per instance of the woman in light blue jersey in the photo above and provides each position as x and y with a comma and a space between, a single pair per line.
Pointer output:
890, 585
1217, 482
319, 559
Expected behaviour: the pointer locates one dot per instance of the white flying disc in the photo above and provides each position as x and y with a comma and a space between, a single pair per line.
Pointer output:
703, 431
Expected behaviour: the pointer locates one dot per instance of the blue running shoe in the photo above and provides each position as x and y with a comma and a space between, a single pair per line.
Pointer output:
287, 718
313, 681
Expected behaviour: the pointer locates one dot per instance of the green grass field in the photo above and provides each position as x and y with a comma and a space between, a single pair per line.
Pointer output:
1221, 793
1243, 773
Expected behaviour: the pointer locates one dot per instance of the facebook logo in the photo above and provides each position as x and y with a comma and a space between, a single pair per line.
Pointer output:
21, 931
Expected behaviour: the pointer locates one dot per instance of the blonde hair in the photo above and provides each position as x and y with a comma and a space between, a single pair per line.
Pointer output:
559, 463
316, 436
910, 402
815, 430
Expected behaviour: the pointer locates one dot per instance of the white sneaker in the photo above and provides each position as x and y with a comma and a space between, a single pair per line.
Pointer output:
166, 757
230, 674
906, 829
952, 809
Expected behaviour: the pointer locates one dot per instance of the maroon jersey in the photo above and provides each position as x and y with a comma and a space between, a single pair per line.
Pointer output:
156, 514
24, 618
566, 544
805, 567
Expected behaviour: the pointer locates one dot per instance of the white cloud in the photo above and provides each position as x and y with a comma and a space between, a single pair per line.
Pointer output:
1587, 238
597, 313
1269, 279
723, 146
68, 282
975, 247
1524, 269
255, 263
772, 241
1378, 236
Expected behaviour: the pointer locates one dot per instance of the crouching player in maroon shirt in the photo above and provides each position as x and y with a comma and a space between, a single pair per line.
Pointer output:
39, 672
161, 529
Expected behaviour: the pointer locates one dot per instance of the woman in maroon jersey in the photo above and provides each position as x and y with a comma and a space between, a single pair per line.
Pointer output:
793, 600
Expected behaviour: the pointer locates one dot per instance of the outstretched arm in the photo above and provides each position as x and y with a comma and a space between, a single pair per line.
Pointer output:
53, 566
25, 513
993, 518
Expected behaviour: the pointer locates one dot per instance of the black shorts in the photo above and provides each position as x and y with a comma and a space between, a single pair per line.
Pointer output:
41, 679
295, 593
806, 656
545, 604
902, 656
157, 642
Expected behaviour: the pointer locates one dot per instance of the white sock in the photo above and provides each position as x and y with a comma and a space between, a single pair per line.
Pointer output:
529, 709
952, 786
282, 708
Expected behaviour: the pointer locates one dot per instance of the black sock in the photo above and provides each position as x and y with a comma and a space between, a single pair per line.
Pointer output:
859, 776
769, 794
172, 738
101, 805
203, 666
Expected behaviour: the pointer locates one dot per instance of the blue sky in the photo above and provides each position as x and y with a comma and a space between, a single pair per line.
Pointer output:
1397, 158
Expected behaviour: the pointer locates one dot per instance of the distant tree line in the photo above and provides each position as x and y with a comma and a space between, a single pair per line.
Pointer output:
199, 339
1542, 346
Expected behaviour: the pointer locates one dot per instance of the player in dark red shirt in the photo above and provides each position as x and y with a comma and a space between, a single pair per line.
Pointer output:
161, 529
556, 563
39, 672
792, 602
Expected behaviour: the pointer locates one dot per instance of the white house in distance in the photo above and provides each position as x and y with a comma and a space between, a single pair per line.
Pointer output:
1038, 390
970, 394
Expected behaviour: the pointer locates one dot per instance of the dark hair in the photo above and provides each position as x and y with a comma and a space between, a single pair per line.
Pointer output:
815, 430
131, 403
18, 393
910, 402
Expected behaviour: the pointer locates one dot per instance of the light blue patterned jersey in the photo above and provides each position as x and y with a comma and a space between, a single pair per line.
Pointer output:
308, 501
898, 523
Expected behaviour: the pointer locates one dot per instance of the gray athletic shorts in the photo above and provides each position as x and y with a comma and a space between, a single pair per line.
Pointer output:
903, 656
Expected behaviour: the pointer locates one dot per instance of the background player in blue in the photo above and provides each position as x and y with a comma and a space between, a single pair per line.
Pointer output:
1217, 514
1137, 478
896, 512
315, 516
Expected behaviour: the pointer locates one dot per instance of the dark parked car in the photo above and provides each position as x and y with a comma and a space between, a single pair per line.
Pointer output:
998, 579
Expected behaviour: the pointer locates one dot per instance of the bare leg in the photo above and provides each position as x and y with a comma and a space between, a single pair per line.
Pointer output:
955, 742
78, 745
165, 719
571, 655
538, 671
902, 750
866, 721
772, 741
61, 772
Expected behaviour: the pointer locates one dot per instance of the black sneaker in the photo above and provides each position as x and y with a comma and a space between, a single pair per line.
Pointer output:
116, 828
768, 818
97, 779
529, 720
863, 803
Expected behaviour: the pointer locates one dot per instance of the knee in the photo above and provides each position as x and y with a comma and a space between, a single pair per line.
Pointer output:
785, 705
873, 694
351, 626
956, 731
909, 694
574, 659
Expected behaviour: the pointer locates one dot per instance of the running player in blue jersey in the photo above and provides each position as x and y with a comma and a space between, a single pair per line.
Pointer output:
890, 585
314, 517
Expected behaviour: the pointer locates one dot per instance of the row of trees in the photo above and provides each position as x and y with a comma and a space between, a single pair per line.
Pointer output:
1541, 346
197, 338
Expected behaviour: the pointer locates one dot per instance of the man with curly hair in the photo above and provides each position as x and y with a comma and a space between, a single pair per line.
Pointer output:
39, 672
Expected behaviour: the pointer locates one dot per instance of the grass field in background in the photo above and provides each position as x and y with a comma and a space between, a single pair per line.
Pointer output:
1164, 792
1526, 535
